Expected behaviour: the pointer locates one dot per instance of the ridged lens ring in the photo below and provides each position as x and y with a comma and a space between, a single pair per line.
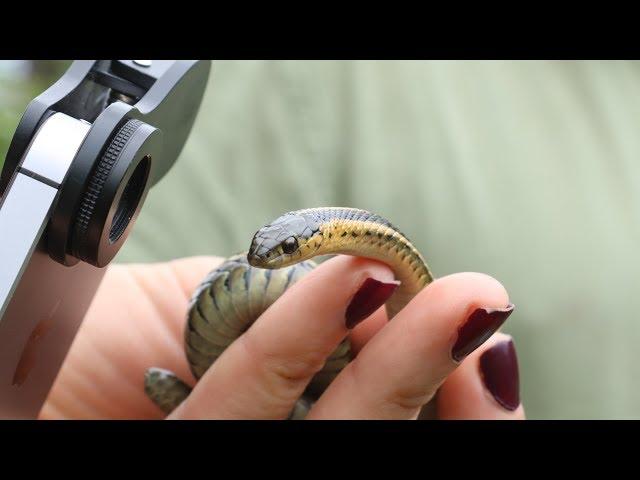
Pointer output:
115, 193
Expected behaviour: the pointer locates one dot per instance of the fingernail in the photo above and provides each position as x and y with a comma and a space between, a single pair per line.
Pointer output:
371, 296
480, 325
499, 371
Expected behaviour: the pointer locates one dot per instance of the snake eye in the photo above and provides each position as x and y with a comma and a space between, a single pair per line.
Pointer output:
289, 245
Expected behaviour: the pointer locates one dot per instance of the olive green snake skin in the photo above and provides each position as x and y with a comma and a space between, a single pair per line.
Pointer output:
236, 293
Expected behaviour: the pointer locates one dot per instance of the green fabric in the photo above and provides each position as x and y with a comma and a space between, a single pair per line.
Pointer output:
528, 171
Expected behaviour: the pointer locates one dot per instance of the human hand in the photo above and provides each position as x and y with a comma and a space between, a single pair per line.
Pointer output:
137, 318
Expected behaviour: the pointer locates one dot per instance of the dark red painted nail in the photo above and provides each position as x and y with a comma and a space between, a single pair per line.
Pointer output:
371, 296
480, 325
499, 371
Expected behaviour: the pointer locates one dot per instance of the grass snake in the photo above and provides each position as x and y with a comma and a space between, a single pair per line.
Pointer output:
236, 293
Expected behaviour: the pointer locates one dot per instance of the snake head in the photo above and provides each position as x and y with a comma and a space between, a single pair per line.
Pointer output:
284, 241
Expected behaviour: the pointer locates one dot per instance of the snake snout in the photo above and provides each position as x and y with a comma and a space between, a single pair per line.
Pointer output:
259, 251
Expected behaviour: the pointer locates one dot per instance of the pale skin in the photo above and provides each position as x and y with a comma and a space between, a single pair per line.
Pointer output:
137, 321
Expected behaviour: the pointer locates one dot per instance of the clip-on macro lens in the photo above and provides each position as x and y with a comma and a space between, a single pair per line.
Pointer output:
76, 175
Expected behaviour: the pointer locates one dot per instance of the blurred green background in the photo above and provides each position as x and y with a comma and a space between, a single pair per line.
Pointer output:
528, 171
20, 81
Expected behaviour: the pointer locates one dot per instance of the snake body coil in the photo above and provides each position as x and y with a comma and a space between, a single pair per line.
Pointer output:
235, 294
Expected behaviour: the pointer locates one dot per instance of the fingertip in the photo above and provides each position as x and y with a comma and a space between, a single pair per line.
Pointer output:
476, 289
345, 287
341, 267
486, 385
454, 315
499, 372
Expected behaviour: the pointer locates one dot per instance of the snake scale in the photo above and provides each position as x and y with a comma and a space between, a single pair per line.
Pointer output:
235, 294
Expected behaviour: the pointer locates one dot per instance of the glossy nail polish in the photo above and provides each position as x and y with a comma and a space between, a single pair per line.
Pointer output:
480, 325
499, 371
371, 296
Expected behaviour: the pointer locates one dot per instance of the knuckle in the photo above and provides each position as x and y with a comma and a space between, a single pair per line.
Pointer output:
409, 399
285, 374
395, 402
297, 370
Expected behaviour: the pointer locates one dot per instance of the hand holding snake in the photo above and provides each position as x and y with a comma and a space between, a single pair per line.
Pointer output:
233, 296
395, 368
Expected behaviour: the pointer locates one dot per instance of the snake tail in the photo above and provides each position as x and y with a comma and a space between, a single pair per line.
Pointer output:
165, 389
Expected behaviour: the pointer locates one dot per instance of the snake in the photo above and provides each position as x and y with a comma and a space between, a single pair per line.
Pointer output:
233, 295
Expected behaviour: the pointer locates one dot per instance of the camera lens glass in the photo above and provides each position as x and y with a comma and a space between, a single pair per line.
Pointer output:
129, 199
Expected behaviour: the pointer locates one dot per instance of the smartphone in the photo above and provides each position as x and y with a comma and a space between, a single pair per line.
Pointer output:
77, 172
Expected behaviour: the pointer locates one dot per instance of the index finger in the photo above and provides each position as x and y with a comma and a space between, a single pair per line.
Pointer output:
264, 372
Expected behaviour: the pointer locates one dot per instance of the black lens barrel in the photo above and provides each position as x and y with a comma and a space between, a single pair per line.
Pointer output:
115, 193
